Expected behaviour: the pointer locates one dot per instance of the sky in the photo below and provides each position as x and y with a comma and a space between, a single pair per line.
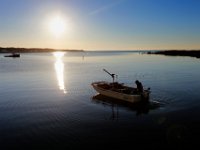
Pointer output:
101, 24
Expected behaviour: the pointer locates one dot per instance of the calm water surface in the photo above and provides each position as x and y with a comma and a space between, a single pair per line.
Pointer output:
46, 101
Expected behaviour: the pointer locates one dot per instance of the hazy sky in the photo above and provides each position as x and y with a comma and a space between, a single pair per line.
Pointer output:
101, 24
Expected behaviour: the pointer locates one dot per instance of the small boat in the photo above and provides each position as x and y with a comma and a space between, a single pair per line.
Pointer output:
13, 55
120, 91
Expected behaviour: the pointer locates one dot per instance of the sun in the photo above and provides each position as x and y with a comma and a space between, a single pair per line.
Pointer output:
57, 26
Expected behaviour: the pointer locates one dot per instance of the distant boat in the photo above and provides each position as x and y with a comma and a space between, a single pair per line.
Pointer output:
120, 91
13, 55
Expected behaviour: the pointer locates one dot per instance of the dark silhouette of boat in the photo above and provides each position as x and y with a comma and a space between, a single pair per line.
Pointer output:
13, 55
120, 91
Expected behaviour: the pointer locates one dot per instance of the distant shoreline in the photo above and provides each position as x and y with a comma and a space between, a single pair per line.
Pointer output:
34, 50
191, 53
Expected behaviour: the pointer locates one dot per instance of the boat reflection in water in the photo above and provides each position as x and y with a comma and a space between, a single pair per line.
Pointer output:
140, 108
59, 68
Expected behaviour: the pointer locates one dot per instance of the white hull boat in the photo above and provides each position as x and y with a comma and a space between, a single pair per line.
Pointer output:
119, 91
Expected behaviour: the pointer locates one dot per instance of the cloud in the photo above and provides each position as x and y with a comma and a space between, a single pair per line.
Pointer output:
106, 7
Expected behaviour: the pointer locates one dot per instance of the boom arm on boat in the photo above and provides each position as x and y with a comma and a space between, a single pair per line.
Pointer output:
112, 75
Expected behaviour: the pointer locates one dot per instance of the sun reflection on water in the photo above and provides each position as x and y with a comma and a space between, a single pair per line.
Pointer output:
59, 68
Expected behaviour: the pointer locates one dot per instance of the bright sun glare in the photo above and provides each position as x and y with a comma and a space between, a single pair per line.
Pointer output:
57, 26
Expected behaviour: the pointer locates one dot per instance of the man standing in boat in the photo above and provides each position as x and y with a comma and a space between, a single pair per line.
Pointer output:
139, 86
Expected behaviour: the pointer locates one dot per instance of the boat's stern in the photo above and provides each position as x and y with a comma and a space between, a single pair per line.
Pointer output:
146, 93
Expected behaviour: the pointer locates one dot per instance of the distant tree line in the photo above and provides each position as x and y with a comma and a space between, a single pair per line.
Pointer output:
33, 50
192, 53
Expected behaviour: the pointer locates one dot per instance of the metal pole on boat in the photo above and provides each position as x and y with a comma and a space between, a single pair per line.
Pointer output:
112, 75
